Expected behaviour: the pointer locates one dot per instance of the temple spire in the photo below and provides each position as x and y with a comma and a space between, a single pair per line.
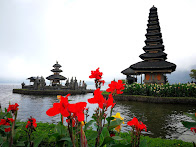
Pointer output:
153, 65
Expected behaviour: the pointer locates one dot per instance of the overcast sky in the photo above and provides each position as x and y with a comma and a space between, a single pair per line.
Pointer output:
85, 34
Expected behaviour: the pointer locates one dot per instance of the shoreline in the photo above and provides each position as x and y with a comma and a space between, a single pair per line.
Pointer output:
50, 92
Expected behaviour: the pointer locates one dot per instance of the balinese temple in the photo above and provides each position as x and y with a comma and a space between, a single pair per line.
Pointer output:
131, 75
56, 77
153, 65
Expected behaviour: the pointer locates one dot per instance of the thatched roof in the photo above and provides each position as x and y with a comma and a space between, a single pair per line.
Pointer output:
57, 65
155, 65
154, 55
56, 77
56, 70
128, 71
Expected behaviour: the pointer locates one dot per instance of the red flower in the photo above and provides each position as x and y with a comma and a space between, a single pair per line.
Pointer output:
111, 134
193, 130
96, 74
116, 87
102, 81
13, 108
139, 126
31, 123
100, 100
6, 122
61, 107
78, 110
107, 103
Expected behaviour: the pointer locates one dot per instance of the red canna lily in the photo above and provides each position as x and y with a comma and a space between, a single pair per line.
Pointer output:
102, 81
61, 107
6, 122
138, 125
31, 123
98, 98
96, 74
193, 129
107, 103
13, 108
116, 87
78, 110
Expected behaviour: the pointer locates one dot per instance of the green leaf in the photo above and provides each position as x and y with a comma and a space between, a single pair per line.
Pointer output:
191, 115
2, 127
104, 133
61, 129
94, 117
21, 143
117, 138
143, 143
95, 125
189, 124
92, 136
66, 139
38, 140
1, 140
107, 140
5, 144
121, 145
88, 124
115, 123
109, 118
54, 135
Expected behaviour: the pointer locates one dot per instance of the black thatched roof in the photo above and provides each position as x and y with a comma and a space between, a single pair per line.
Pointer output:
154, 55
56, 77
150, 34
155, 65
153, 47
153, 9
57, 65
158, 40
153, 43
56, 70
128, 71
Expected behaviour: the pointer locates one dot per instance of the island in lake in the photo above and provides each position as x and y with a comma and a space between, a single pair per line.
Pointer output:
38, 85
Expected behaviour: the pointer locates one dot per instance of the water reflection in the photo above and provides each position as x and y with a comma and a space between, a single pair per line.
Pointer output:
162, 120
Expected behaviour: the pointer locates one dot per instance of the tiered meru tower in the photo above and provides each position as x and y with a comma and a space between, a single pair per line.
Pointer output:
56, 77
154, 65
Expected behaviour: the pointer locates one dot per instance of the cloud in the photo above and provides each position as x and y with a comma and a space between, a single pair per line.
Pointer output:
84, 35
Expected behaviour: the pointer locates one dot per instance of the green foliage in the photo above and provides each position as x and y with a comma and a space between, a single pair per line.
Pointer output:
167, 90
193, 74
123, 139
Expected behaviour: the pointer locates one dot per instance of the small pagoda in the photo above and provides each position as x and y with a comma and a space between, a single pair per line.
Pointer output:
153, 65
56, 77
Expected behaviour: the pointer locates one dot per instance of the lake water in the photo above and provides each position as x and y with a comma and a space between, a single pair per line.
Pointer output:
162, 120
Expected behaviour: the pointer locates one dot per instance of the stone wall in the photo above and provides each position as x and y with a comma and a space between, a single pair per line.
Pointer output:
150, 99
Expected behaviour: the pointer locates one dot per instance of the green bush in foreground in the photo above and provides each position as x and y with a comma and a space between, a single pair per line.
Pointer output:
48, 129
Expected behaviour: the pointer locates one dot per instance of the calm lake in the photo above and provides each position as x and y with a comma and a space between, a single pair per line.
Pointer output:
162, 120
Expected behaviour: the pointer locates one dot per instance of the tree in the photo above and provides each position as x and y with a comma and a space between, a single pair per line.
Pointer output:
193, 74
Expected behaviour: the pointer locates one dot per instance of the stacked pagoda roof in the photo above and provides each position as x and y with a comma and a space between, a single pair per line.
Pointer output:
154, 57
56, 77
153, 65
